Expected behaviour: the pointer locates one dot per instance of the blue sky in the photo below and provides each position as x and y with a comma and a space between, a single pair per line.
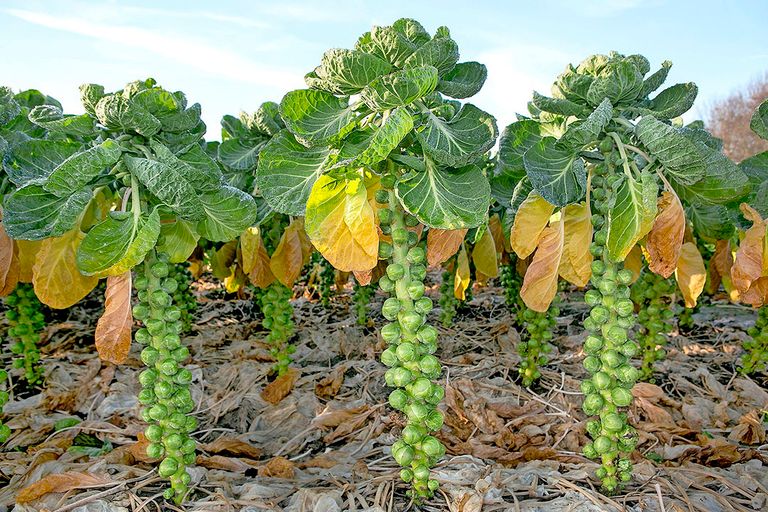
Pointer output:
232, 55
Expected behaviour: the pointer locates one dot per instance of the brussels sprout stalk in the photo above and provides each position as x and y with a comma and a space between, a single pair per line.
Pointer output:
27, 321
533, 351
652, 294
165, 395
362, 296
448, 301
607, 346
412, 343
5, 431
275, 303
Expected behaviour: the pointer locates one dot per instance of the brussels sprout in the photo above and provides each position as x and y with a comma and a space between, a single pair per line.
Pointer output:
411, 320
421, 388
395, 271
391, 308
391, 332
168, 467
434, 420
423, 305
385, 250
417, 255
389, 357
621, 397
399, 236
413, 434
418, 272
415, 290
593, 403
155, 450
398, 399
401, 376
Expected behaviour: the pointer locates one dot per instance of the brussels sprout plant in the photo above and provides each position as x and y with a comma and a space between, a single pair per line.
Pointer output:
374, 144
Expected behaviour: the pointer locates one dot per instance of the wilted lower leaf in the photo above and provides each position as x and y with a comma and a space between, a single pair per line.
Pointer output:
634, 262
61, 482
484, 255
256, 264
277, 467
461, 280
9, 264
748, 264
58, 282
341, 224
665, 239
691, 274
576, 263
113, 330
27, 253
757, 295
530, 220
720, 264
279, 388
288, 258
442, 244
540, 281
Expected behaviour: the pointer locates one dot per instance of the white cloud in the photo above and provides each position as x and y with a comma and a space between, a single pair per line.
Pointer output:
187, 51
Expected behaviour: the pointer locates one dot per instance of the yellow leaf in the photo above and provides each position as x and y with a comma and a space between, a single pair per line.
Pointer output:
288, 258
540, 281
665, 239
235, 280
634, 262
530, 220
341, 224
576, 263
61, 482
9, 263
442, 244
748, 264
223, 259
306, 244
757, 295
27, 252
484, 256
113, 330
255, 258
691, 274
461, 279
494, 224
720, 264
58, 282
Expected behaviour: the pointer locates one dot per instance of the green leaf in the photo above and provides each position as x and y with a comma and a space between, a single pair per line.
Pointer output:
655, 81
679, 155
32, 161
117, 113
759, 122
620, 82
376, 145
517, 138
90, 94
144, 239
584, 132
631, 218
267, 118
573, 85
81, 168
228, 212
106, 243
31, 213
168, 184
671, 102
200, 170
317, 117
239, 155
387, 43
464, 80
52, 119
457, 142
446, 198
559, 106
711, 222
178, 240
441, 53
723, 182
349, 71
182, 120
287, 171
412, 30
557, 174
400, 88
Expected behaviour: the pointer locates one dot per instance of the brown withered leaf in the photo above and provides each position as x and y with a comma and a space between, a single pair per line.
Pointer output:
461, 279
277, 467
306, 244
288, 258
442, 244
232, 464
329, 386
576, 263
61, 482
540, 281
494, 224
634, 262
363, 277
9, 270
332, 418
748, 264
230, 445
113, 330
484, 256
665, 239
279, 388
720, 264
757, 295
139, 449
58, 283
750, 430
530, 220
691, 274
255, 258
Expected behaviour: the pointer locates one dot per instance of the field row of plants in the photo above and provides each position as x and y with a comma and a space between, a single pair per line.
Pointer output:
381, 169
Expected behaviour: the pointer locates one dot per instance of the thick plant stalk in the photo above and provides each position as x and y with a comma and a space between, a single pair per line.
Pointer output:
183, 297
5, 430
27, 322
755, 358
511, 282
448, 301
361, 296
165, 395
412, 343
534, 349
608, 349
326, 280
652, 293
275, 303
